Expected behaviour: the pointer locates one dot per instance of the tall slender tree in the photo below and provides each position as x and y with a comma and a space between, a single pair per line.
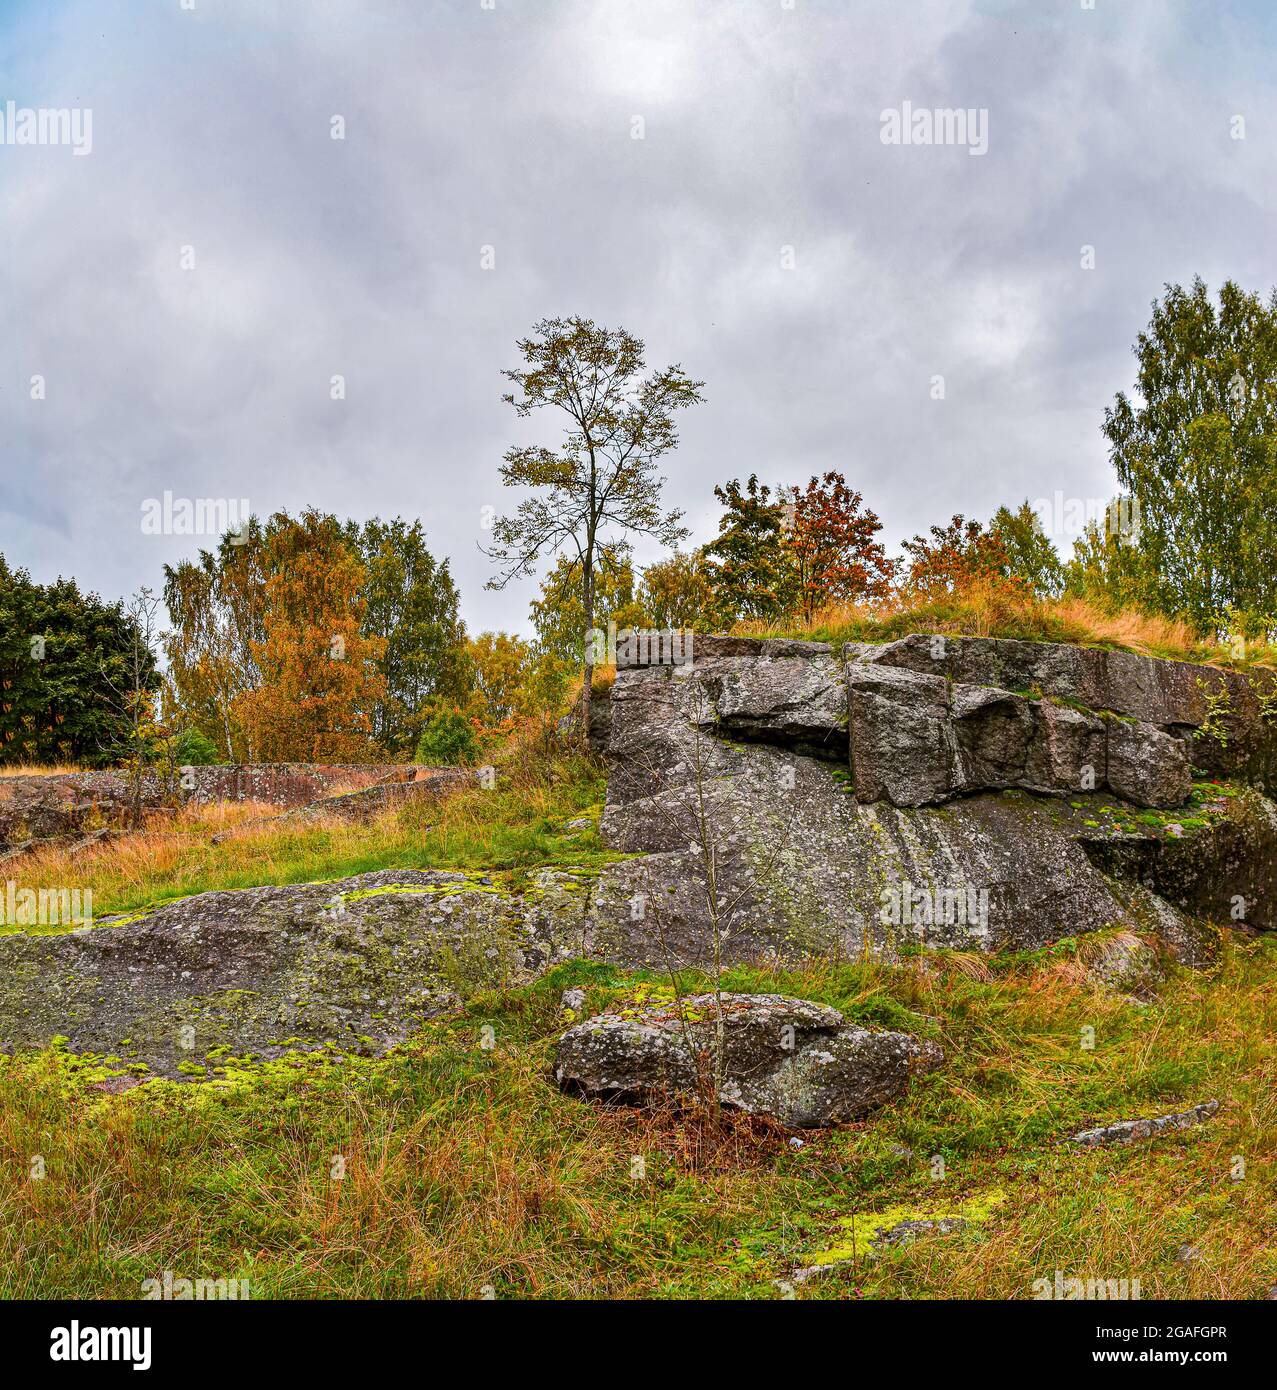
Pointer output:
601, 484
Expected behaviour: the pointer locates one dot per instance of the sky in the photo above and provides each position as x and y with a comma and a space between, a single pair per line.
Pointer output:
943, 323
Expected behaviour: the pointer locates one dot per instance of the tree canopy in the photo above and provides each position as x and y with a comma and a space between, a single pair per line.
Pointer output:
64, 656
1197, 450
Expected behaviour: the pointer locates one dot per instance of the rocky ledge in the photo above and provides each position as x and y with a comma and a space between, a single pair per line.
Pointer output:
936, 791
769, 799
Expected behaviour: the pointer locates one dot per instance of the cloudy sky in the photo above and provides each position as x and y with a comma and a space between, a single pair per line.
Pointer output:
184, 293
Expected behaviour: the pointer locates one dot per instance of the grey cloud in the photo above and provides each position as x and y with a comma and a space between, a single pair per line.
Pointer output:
512, 128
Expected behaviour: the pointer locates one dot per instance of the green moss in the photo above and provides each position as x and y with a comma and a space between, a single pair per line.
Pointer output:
863, 1228
468, 885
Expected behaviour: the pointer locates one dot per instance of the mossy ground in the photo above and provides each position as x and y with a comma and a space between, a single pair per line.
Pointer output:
464, 1168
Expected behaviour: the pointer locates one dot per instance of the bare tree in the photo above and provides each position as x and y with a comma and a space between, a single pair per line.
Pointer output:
134, 692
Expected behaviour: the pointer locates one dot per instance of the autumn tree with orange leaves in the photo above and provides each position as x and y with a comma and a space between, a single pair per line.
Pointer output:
956, 556
319, 681
831, 539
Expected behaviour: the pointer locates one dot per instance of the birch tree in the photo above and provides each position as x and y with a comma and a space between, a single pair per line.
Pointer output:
600, 485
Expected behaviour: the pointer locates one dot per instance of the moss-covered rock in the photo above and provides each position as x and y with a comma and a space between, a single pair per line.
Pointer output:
356, 964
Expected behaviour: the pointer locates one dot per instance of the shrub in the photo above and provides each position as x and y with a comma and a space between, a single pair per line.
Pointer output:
448, 740
193, 749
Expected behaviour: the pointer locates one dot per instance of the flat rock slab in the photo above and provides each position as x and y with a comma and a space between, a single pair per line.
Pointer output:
1128, 1131
357, 964
795, 1061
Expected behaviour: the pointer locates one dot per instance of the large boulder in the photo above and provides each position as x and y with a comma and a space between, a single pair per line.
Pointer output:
793, 699
936, 832
1069, 750
1147, 766
359, 964
902, 747
919, 736
1175, 696
790, 1059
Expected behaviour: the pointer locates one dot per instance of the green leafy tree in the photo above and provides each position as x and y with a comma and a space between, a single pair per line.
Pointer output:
1198, 453
191, 749
751, 566
1109, 568
601, 484
1030, 556
558, 616
678, 593
412, 605
218, 608
64, 656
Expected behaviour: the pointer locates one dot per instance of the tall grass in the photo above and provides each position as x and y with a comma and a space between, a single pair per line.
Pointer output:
39, 769
465, 1170
517, 824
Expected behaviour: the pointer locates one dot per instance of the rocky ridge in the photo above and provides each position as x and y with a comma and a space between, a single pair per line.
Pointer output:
842, 802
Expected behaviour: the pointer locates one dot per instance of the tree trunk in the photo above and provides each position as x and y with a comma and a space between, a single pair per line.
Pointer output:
589, 644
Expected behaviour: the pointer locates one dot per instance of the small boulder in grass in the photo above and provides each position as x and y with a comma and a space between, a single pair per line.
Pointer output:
789, 1059
1122, 962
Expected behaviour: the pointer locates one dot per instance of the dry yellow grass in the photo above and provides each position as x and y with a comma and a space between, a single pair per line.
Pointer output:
997, 610
514, 825
40, 769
